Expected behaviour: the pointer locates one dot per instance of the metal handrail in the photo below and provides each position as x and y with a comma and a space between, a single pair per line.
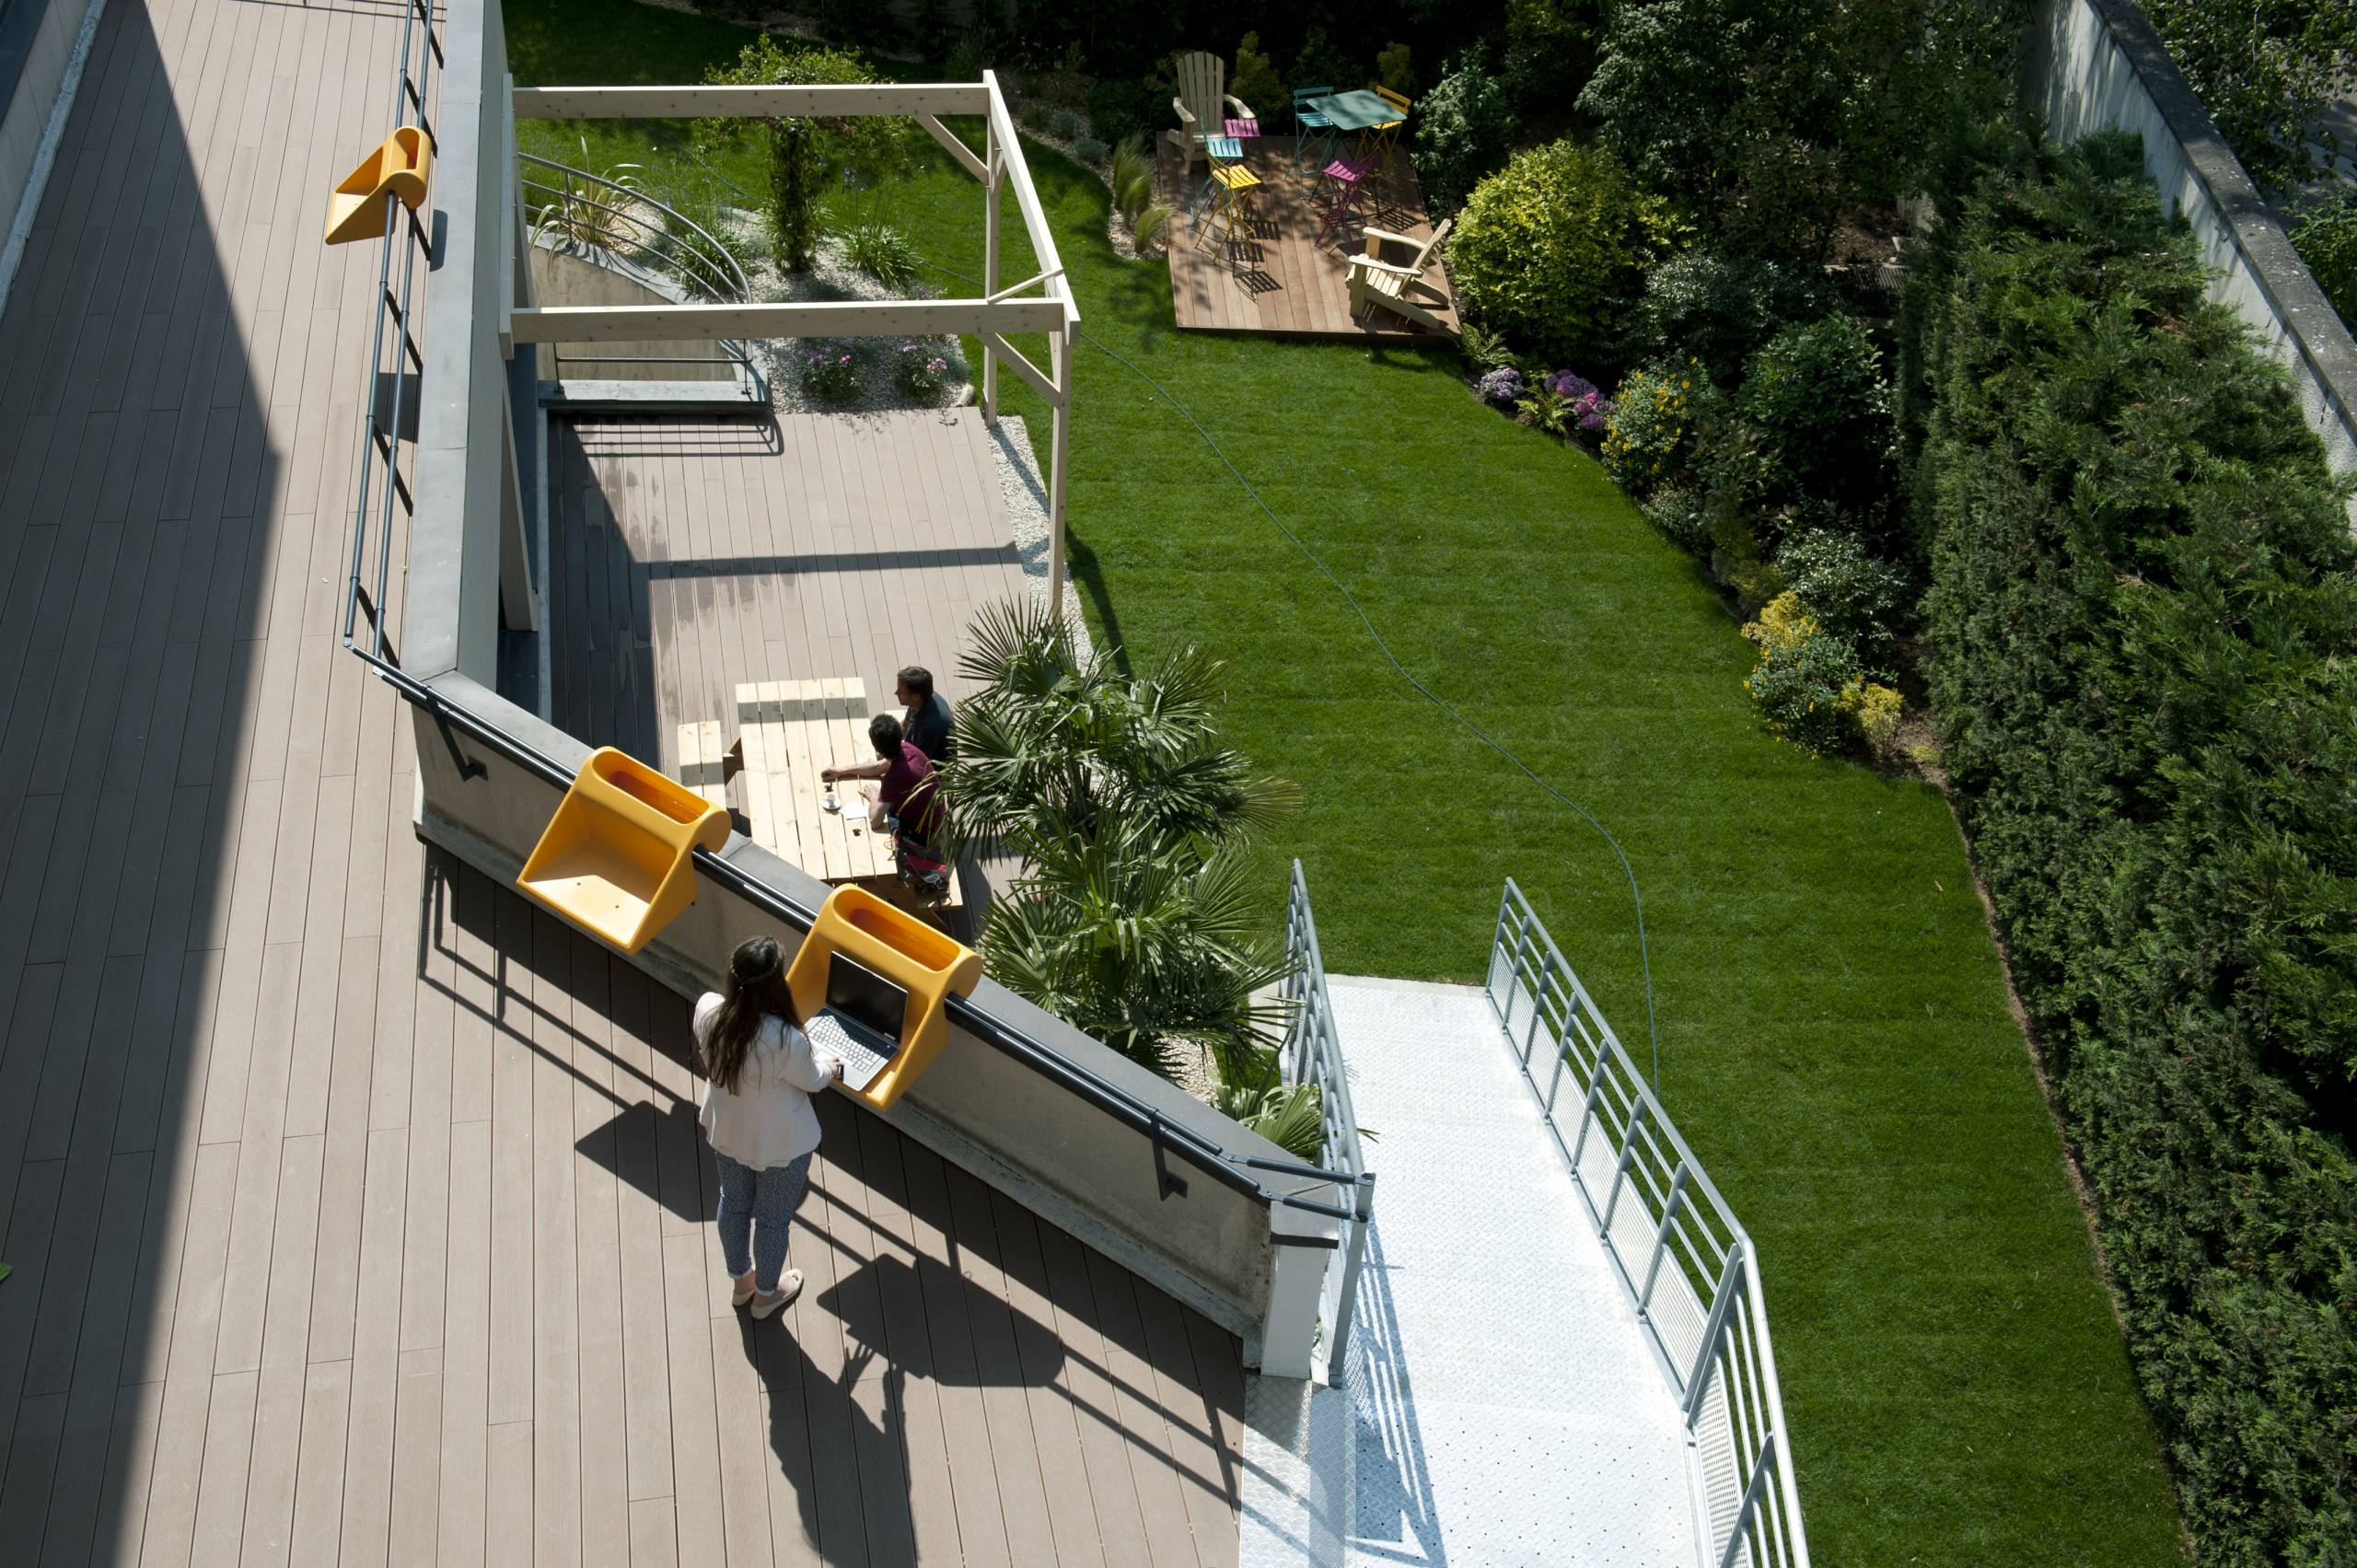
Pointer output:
1313, 1054
382, 436
1688, 1264
708, 267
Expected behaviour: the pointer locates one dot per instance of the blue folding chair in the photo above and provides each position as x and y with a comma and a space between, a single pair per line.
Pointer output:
1306, 120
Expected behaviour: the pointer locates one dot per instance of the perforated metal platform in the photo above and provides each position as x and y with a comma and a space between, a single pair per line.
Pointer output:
1502, 1405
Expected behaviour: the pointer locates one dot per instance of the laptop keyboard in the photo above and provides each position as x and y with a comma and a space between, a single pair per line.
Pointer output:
861, 1063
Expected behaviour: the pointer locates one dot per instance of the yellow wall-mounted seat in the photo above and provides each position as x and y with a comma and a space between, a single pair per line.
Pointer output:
614, 858
904, 950
401, 165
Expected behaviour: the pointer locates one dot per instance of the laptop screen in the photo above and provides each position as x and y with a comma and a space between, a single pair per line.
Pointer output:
860, 993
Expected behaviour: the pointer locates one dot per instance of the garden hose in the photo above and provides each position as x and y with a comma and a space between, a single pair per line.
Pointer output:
1645, 955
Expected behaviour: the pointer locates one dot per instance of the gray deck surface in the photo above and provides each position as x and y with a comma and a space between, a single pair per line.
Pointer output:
354, 1207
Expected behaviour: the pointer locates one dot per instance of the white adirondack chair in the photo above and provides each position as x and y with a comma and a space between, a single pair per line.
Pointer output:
1386, 285
1203, 104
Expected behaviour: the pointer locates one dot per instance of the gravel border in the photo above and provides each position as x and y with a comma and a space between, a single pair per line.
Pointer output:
1025, 494
829, 278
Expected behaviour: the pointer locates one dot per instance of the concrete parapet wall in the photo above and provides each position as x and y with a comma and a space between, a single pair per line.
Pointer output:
2093, 64
1061, 1156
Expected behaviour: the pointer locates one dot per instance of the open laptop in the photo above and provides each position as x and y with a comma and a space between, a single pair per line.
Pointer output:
861, 1021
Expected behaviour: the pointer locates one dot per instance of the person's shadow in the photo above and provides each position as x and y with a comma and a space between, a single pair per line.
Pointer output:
841, 1443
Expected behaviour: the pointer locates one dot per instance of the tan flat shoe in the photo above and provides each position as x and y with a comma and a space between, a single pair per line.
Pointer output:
741, 1289
789, 1285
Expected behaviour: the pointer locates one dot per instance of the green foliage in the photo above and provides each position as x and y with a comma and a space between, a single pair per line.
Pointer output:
2143, 619
1485, 350
802, 151
1853, 596
1256, 82
1063, 124
1132, 179
2326, 238
1551, 51
1394, 67
1320, 62
1676, 511
1818, 395
1774, 116
1137, 919
1462, 129
1548, 247
1088, 149
1118, 109
1657, 414
1148, 226
1720, 306
2266, 70
1803, 682
884, 253
831, 372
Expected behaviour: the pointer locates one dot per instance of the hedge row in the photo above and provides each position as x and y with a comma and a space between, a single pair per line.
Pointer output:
2144, 632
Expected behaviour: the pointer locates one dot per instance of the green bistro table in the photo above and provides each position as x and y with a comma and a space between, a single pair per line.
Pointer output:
1360, 112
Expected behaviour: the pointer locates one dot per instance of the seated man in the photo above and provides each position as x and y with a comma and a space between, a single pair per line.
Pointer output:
925, 719
905, 804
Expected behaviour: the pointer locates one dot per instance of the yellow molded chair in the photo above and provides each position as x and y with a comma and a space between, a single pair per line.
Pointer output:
401, 165
904, 950
614, 858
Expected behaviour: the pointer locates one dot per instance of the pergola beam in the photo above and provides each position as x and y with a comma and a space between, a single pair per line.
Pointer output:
832, 318
1024, 368
954, 147
751, 103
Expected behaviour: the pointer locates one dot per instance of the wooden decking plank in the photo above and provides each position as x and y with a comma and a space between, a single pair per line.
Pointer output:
950, 1306
1144, 1420
1047, 1381
605, 1460
999, 1374
555, 1328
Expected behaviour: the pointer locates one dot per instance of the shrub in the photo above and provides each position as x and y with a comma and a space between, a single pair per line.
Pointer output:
1720, 308
1395, 68
1320, 63
966, 63
1874, 709
2143, 624
2327, 237
1818, 395
1256, 82
831, 372
1802, 685
1649, 440
883, 252
1676, 511
1132, 179
1548, 246
1484, 350
1088, 149
1462, 128
1550, 51
1851, 594
2265, 69
920, 369
1118, 110
1500, 388
801, 149
1146, 229
1063, 124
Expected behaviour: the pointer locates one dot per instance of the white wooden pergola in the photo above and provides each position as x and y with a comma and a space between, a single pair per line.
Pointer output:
997, 313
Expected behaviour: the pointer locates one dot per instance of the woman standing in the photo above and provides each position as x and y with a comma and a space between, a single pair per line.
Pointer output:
760, 1073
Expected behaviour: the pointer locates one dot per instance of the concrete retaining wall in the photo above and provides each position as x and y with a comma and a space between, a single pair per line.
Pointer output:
2093, 64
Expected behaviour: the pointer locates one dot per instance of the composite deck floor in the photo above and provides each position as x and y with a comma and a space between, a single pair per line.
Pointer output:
1280, 279
355, 1207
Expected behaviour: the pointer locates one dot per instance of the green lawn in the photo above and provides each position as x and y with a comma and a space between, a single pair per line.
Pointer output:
1834, 1034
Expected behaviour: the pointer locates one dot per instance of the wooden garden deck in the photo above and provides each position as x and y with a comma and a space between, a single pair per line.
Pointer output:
355, 1206
1281, 282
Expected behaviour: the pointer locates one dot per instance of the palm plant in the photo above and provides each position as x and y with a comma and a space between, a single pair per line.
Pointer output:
1135, 918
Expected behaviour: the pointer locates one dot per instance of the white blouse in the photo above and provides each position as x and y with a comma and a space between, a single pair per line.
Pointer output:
768, 1118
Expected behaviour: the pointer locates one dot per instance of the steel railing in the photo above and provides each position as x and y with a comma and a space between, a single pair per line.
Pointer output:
642, 238
381, 427
1687, 1264
1313, 1054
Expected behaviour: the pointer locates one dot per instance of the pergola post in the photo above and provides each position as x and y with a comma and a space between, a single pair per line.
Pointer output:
990, 261
1058, 462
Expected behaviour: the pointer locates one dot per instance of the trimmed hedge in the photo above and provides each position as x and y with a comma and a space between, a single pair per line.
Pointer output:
2144, 630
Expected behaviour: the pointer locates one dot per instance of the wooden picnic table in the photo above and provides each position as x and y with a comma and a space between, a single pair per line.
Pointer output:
791, 730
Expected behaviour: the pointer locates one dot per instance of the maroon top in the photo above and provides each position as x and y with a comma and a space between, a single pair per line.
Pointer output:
908, 794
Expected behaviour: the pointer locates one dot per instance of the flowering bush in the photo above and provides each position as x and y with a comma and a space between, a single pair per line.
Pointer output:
1590, 409
830, 373
920, 369
1648, 434
1807, 685
1501, 387
1802, 674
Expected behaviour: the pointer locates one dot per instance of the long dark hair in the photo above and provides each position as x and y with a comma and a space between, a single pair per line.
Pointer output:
756, 991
